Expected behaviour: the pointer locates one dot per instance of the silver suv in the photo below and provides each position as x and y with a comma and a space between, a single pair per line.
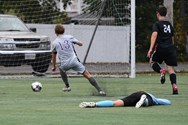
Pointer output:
20, 45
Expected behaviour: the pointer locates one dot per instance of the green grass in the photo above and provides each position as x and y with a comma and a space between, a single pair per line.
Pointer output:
19, 105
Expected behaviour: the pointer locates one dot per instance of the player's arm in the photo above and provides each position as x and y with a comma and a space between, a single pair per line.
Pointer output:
54, 53
76, 41
152, 43
54, 61
79, 43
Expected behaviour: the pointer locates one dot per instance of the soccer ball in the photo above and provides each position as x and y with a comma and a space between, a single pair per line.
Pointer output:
36, 86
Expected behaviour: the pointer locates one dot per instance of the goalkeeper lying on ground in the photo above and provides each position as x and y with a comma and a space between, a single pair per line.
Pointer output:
136, 99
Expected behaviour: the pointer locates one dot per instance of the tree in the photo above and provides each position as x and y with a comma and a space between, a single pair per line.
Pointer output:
113, 8
34, 11
181, 28
169, 5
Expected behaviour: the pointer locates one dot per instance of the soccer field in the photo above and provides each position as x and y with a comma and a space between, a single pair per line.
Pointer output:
19, 105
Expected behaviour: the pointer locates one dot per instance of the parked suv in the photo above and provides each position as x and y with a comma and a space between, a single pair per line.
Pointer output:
20, 45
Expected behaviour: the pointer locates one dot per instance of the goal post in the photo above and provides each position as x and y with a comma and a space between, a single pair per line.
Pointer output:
133, 65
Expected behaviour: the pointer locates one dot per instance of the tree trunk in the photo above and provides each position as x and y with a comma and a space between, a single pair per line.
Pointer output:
169, 5
182, 8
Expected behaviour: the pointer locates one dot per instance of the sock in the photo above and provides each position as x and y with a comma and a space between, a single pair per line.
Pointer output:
173, 78
106, 103
64, 77
163, 101
94, 83
67, 85
156, 67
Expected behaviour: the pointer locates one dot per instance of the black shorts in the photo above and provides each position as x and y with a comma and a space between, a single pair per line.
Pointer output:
168, 55
132, 99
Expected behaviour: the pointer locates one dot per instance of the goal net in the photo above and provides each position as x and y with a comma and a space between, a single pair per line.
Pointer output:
105, 26
108, 26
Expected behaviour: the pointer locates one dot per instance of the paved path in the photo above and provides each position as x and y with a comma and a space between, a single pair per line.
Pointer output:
145, 67
140, 68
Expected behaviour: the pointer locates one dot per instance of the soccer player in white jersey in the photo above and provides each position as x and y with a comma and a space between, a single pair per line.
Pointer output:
63, 46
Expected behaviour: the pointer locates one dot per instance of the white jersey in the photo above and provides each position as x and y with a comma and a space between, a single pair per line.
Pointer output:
63, 45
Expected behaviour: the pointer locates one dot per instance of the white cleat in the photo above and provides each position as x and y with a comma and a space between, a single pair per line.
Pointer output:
141, 101
67, 89
87, 105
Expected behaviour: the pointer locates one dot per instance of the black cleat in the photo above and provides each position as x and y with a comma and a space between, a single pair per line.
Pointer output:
162, 77
175, 89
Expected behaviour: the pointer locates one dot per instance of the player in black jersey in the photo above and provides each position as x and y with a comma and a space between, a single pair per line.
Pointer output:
162, 48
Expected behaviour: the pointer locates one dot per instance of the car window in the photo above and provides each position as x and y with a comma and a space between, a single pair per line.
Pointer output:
12, 24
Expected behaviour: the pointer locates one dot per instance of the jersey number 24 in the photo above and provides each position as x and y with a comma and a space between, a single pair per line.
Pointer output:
167, 29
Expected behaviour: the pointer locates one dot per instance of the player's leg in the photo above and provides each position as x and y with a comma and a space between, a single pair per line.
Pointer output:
156, 67
110, 103
171, 61
156, 60
159, 101
80, 68
163, 101
93, 82
105, 103
65, 80
173, 79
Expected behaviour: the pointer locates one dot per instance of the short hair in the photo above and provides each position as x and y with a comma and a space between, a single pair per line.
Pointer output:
59, 29
162, 10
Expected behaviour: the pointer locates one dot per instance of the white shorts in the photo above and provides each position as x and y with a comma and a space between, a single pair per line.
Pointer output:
75, 65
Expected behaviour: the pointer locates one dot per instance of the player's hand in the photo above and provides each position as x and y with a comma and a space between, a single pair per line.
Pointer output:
80, 43
149, 53
150, 61
53, 68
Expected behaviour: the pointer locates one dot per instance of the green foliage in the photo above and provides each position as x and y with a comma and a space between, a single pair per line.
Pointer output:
113, 8
34, 11
181, 30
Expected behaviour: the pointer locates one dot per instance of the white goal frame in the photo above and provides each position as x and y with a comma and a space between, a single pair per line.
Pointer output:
133, 65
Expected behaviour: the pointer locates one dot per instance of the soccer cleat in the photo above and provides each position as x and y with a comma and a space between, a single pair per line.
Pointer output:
102, 93
175, 89
87, 105
162, 78
67, 89
141, 101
